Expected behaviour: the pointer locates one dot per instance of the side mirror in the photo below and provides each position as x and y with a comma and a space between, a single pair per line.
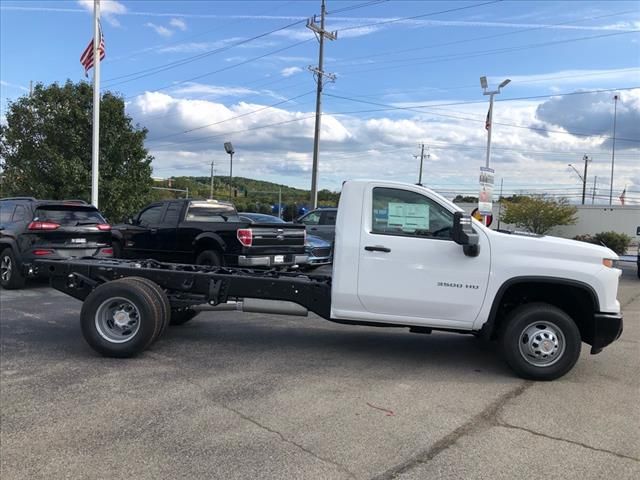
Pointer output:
128, 220
464, 234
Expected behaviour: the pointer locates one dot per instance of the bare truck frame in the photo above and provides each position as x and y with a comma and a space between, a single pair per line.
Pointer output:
129, 303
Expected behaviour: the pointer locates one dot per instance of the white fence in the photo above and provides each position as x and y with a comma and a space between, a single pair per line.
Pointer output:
592, 219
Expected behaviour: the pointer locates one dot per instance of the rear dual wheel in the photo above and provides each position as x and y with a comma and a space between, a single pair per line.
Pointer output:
124, 317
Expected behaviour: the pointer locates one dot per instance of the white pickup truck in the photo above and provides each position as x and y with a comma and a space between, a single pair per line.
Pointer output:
404, 257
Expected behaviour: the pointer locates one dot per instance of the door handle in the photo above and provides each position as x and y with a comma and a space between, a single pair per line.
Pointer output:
154, 231
313, 229
377, 248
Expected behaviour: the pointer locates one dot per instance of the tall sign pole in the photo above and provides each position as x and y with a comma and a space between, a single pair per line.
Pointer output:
319, 73
95, 145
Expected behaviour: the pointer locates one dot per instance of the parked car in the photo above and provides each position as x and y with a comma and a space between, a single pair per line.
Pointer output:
320, 222
207, 232
31, 229
318, 250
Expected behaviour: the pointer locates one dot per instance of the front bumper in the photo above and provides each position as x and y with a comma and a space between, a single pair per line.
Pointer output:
271, 260
607, 329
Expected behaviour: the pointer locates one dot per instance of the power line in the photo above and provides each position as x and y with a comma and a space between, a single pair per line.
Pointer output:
229, 67
545, 130
423, 15
355, 7
480, 53
178, 63
484, 37
232, 118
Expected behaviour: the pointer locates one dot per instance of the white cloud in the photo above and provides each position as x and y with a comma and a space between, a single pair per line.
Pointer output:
276, 144
178, 23
287, 72
159, 29
192, 88
109, 9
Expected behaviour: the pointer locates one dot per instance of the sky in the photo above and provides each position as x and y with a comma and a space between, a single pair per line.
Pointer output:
199, 73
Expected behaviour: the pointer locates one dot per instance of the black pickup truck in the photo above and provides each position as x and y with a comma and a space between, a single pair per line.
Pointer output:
207, 232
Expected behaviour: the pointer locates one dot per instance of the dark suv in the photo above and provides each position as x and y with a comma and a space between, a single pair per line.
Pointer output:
31, 229
320, 222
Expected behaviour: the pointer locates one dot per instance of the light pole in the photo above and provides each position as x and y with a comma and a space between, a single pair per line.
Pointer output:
211, 190
228, 147
613, 149
489, 123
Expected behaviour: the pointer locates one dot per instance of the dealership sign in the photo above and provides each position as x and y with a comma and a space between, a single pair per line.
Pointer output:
485, 199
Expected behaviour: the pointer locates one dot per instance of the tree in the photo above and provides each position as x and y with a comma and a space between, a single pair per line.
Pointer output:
537, 214
45, 149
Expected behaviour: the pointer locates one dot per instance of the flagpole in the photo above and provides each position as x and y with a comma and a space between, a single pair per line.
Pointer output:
95, 146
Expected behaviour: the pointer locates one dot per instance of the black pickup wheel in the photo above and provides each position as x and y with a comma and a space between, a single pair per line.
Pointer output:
540, 341
121, 318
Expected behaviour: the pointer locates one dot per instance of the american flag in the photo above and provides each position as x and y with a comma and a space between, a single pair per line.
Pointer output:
86, 59
487, 123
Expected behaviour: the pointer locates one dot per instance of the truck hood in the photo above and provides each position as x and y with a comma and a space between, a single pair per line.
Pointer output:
552, 247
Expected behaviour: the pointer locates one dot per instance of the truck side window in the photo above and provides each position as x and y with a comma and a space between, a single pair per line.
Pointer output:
405, 213
312, 219
328, 218
150, 216
171, 216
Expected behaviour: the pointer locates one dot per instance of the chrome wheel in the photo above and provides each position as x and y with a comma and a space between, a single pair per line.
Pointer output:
6, 267
541, 344
117, 320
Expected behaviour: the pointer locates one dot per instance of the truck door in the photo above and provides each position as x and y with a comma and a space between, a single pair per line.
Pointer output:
410, 269
168, 233
142, 239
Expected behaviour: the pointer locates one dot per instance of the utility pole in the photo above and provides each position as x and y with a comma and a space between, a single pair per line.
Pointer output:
584, 177
30, 88
319, 74
593, 194
613, 150
211, 190
500, 203
422, 155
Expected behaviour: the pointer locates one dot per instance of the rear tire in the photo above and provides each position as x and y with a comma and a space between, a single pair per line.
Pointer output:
209, 258
182, 316
160, 295
121, 318
540, 341
10, 276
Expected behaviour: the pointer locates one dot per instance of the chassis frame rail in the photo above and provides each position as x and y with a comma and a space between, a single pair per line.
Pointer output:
188, 285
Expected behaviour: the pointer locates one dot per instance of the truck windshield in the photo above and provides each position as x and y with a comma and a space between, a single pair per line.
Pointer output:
211, 212
68, 215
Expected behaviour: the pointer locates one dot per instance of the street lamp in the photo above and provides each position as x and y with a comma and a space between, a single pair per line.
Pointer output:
583, 178
489, 123
228, 147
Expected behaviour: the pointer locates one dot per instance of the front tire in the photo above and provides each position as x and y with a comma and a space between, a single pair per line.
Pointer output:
540, 342
121, 318
10, 276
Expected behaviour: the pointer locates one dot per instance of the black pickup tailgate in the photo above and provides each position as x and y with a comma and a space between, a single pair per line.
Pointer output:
275, 238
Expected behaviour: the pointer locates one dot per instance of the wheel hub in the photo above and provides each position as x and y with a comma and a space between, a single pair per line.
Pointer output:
5, 268
121, 318
542, 344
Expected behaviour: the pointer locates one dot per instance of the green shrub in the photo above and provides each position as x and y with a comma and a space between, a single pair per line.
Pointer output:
618, 242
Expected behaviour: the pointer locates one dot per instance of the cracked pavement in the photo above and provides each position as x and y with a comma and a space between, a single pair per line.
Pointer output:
240, 396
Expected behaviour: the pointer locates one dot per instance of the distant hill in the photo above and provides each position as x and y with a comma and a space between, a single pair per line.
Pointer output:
248, 194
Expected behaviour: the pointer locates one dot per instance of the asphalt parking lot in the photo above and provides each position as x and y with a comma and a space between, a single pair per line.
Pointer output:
238, 396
